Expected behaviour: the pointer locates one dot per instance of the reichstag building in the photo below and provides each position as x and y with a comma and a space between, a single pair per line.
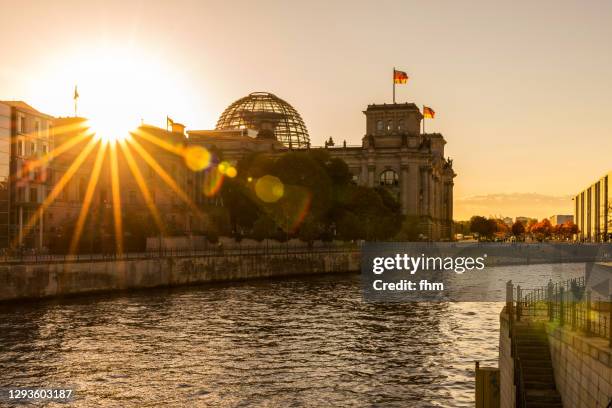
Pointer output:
394, 153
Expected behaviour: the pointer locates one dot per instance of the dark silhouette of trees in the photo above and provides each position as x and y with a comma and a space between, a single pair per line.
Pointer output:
485, 228
319, 200
518, 229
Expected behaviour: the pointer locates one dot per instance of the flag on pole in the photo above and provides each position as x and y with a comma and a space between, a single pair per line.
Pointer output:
428, 112
400, 77
76, 93
169, 123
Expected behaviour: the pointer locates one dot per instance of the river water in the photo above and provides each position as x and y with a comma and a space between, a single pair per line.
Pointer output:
308, 341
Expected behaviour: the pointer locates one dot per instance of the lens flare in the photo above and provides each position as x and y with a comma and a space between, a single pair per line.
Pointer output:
231, 172
197, 158
269, 189
213, 180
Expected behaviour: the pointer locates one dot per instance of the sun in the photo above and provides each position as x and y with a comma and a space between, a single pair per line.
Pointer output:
109, 126
119, 87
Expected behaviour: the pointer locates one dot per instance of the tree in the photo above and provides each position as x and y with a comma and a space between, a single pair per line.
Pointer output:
412, 229
264, 228
541, 230
483, 227
462, 227
518, 229
501, 228
569, 229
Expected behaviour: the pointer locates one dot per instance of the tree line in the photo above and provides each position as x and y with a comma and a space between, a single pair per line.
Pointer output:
497, 229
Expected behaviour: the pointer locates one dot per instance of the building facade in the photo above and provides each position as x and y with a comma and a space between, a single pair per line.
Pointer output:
38, 155
394, 153
28, 138
593, 211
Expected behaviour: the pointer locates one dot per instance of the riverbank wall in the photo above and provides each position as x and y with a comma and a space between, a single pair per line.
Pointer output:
43, 280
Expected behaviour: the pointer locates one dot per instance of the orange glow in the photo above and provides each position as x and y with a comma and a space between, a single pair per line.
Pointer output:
115, 188
197, 158
58, 150
142, 185
91, 187
213, 181
163, 174
57, 189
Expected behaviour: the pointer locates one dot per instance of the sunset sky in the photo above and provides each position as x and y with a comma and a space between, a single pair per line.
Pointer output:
522, 90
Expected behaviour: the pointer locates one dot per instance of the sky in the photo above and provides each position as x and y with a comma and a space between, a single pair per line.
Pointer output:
522, 90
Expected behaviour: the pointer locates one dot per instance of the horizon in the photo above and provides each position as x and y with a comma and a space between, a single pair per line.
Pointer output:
189, 60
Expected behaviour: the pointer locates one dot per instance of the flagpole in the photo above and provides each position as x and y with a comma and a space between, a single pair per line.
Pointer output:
393, 85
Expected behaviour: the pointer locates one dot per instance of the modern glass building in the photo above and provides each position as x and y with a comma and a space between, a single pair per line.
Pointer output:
593, 211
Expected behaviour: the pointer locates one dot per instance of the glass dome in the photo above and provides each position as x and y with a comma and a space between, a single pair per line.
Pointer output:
290, 128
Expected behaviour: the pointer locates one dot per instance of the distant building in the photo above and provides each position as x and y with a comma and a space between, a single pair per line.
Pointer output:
507, 221
560, 219
24, 139
593, 211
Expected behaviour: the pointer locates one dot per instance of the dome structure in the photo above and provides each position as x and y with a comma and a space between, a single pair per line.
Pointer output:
263, 107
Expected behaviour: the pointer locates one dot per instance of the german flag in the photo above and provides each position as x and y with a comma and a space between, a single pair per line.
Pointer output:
399, 77
428, 112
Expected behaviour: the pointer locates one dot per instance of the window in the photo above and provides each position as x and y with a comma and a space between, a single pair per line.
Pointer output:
21, 125
21, 194
389, 125
400, 124
389, 178
33, 194
20, 147
37, 128
32, 148
379, 125
44, 149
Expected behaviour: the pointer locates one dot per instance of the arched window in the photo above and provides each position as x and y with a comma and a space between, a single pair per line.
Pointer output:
400, 124
379, 125
389, 178
389, 125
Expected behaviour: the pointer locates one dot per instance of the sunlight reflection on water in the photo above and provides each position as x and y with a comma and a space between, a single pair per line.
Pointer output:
301, 342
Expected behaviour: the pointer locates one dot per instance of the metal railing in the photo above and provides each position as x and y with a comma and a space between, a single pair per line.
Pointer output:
209, 251
569, 303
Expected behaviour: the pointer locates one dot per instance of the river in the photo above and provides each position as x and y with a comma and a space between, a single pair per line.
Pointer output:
308, 341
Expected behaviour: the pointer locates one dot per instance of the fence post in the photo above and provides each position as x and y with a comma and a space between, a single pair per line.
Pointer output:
561, 306
573, 306
510, 300
588, 312
519, 306
550, 301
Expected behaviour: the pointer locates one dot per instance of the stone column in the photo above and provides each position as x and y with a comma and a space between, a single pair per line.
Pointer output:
404, 188
371, 178
414, 180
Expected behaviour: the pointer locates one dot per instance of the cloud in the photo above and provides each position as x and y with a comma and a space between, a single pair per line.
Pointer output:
512, 205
